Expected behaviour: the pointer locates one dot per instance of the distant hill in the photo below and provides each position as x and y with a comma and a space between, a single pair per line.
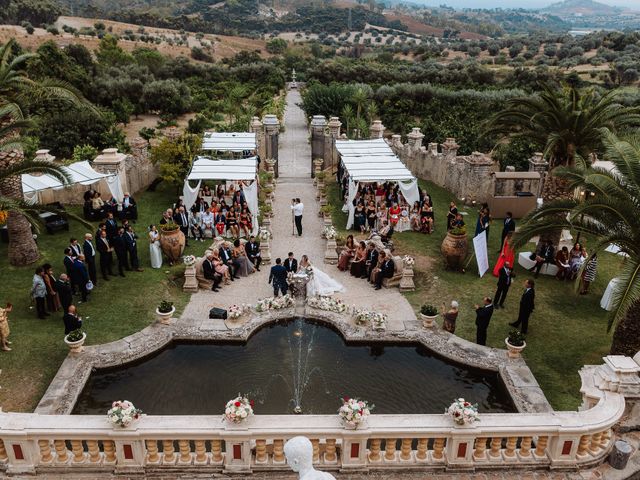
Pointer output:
581, 7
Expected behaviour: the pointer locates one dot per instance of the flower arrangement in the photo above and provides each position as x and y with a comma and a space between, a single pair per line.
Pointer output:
274, 303
329, 232
354, 412
377, 320
408, 261
463, 412
238, 409
264, 235
122, 413
236, 311
327, 303
189, 260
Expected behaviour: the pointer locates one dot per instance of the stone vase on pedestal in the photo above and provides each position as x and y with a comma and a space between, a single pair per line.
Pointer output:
190, 282
266, 223
406, 282
265, 252
330, 254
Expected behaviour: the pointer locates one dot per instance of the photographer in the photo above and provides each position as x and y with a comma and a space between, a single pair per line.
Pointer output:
298, 208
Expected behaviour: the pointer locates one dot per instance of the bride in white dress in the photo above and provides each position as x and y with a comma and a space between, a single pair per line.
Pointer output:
320, 283
155, 253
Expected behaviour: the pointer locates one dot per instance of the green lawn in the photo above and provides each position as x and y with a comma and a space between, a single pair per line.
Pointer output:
566, 331
115, 309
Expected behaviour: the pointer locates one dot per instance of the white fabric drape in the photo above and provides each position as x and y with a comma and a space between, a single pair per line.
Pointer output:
410, 191
351, 195
251, 196
189, 195
31, 197
115, 187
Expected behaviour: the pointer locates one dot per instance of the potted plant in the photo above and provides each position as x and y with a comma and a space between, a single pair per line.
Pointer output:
454, 248
267, 210
267, 191
515, 343
428, 313
75, 340
165, 311
325, 211
320, 176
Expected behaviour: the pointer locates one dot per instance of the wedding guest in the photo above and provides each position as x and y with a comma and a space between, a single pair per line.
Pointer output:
371, 261
546, 254
195, 228
89, 252
383, 215
371, 216
483, 317
589, 273
167, 217
243, 266
507, 255
290, 263
505, 278
226, 257
4, 327
53, 302
39, 293
181, 218
132, 248
451, 215
80, 276
253, 252
414, 217
106, 255
394, 215
129, 207
97, 205
508, 226
206, 191
576, 258
71, 320
112, 226
346, 254
527, 305
120, 246
385, 270
278, 277
63, 288
75, 249
244, 221
358, 266
562, 262
221, 268
209, 271
220, 221
458, 222
232, 223
450, 316
482, 225
360, 218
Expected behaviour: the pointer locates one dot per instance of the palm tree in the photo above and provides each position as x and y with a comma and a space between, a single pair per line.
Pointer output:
609, 216
565, 122
17, 93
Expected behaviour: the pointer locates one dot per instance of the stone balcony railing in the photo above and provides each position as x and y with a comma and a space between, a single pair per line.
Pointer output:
33, 443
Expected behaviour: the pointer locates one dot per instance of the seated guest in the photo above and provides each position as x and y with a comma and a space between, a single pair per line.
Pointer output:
195, 228
545, 254
371, 261
88, 195
347, 254
200, 207
253, 252
97, 204
385, 232
206, 191
129, 207
71, 320
221, 268
220, 222
244, 221
232, 223
226, 257
243, 266
385, 269
358, 266
209, 271
206, 221
111, 205
458, 222
562, 262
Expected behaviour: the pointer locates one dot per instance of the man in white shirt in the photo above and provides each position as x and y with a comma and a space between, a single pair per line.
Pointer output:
298, 208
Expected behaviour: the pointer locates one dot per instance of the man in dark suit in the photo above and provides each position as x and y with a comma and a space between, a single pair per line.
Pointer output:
483, 317
371, 260
291, 264
181, 218
527, 305
132, 248
129, 208
225, 257
112, 227
505, 277
120, 246
106, 255
71, 320
509, 225
253, 252
546, 254
386, 270
68, 266
90, 257
76, 251
278, 276
210, 272
63, 288
80, 276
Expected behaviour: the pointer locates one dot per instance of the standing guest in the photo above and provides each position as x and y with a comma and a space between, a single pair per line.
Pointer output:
385, 270
347, 254
278, 277
562, 262
68, 266
209, 271
458, 222
182, 219
371, 261
546, 254
394, 215
226, 257
80, 276
509, 225
507, 255
483, 317
450, 316
112, 227
39, 293
75, 248
106, 255
101, 227
253, 252
63, 288
90, 257
53, 302
71, 320
360, 218
298, 209
527, 305
482, 225
155, 253
120, 247
451, 215
167, 217
129, 207
505, 277
291, 264
132, 248
589, 273
4, 327
577, 256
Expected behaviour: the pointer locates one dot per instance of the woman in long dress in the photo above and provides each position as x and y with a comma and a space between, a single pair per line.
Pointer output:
244, 267
320, 283
507, 254
347, 254
155, 253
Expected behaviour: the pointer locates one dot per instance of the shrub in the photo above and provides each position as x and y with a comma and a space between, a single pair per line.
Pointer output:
75, 335
165, 306
516, 338
428, 310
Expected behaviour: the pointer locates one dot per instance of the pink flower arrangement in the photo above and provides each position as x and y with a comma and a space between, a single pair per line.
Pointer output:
463, 412
122, 413
238, 409
354, 412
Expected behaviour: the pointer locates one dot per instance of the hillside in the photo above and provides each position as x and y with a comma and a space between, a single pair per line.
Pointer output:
582, 8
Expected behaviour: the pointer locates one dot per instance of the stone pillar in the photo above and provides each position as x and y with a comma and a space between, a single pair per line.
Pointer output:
190, 282
43, 156
257, 128
479, 179
330, 254
111, 161
406, 282
376, 130
450, 149
265, 251
318, 125
271, 130
433, 149
330, 152
396, 141
537, 163
415, 139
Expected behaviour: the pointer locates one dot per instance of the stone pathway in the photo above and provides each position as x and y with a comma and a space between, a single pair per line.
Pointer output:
295, 182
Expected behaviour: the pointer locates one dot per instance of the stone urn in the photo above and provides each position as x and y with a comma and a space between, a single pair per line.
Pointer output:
428, 321
514, 351
454, 250
165, 317
172, 243
77, 345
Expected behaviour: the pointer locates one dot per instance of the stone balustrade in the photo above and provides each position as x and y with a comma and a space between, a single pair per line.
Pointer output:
34, 443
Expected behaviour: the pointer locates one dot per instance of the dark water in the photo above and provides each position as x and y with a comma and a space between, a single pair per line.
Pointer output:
282, 359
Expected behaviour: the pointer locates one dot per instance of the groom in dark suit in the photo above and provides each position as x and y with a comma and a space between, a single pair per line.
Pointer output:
278, 276
291, 264
253, 252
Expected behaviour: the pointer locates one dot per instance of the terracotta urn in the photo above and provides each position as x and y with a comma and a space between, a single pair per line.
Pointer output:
172, 244
454, 250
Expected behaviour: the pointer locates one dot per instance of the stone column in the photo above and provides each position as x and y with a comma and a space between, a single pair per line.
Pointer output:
396, 142
257, 128
450, 149
331, 156
190, 282
376, 130
44, 156
479, 178
271, 130
318, 125
537, 163
406, 282
433, 149
111, 161
265, 252
415, 139
330, 254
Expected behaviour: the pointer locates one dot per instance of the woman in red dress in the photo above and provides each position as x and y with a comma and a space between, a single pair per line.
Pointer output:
394, 215
507, 254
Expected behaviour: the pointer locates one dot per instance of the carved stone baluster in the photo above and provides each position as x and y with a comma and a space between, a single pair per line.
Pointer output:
423, 445
278, 450
45, 451
496, 445
201, 451
541, 446
216, 450
109, 448
438, 448
583, 446
94, 451
604, 440
405, 449
261, 451
185, 451
315, 442
78, 451
594, 448
330, 451
168, 452
152, 451
525, 447
510, 451
3, 452
479, 452
374, 450
62, 454
390, 449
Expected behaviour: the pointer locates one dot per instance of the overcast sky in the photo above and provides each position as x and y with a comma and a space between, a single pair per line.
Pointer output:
518, 3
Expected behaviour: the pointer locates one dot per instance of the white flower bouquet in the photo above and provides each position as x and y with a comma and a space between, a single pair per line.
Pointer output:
238, 409
236, 311
264, 235
463, 412
354, 412
274, 303
408, 261
327, 303
329, 232
189, 260
122, 413
363, 317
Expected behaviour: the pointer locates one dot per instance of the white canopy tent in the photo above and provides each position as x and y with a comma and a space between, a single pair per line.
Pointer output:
79, 173
229, 142
243, 170
374, 161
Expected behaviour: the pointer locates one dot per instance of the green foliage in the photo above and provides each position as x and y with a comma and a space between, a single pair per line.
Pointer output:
36, 12
276, 46
165, 306
84, 152
166, 96
109, 53
147, 133
75, 335
428, 310
516, 338
198, 53
176, 157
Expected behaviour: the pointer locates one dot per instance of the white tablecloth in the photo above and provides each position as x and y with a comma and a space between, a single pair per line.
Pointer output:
606, 301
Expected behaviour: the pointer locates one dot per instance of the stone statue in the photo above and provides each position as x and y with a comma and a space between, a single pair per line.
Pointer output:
299, 453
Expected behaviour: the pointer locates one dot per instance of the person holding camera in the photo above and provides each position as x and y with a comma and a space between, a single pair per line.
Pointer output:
297, 207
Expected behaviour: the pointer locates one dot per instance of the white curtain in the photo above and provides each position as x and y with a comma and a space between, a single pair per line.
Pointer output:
115, 187
251, 196
410, 191
189, 195
31, 197
353, 189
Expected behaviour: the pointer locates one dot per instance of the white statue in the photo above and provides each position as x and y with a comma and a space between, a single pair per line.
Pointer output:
299, 453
